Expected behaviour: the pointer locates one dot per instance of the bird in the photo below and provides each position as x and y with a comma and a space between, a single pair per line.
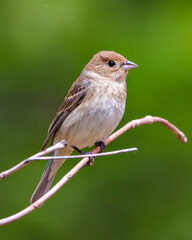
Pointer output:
92, 109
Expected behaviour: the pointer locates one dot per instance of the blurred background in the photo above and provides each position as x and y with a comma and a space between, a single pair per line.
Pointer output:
44, 45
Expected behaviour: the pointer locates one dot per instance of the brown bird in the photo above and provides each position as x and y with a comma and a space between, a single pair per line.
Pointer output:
91, 111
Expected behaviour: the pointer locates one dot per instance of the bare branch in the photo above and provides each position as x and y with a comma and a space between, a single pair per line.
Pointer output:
28, 160
51, 192
147, 121
53, 148
135, 123
85, 155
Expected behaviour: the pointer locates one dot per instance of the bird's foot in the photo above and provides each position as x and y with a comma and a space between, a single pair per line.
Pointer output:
101, 144
91, 159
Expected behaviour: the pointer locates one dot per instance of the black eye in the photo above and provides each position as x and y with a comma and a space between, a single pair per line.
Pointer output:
111, 63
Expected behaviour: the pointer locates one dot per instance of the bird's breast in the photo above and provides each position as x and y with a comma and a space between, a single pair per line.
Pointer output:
96, 117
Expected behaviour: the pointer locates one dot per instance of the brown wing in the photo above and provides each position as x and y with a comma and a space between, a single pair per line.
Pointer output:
73, 99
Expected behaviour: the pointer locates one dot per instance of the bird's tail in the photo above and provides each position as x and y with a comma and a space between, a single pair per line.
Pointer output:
48, 175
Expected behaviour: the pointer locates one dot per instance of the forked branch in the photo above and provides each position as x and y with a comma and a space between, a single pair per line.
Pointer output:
28, 160
135, 123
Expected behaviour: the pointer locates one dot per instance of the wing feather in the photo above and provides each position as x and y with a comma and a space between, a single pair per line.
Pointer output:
73, 99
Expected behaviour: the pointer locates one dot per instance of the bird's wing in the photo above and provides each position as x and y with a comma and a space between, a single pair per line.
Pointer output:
74, 98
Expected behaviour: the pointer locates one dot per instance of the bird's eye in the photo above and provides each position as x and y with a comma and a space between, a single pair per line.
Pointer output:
111, 63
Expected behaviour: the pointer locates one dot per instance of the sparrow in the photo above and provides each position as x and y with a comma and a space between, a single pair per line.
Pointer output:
91, 111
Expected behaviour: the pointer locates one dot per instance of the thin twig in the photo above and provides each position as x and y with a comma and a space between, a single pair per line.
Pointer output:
28, 160
74, 170
84, 155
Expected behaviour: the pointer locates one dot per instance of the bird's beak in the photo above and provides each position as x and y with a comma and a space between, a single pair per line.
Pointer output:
127, 65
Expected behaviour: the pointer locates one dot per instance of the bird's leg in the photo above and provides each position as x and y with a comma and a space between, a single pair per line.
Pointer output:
101, 144
77, 149
91, 159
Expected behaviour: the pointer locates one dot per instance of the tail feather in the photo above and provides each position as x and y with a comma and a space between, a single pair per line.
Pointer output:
46, 179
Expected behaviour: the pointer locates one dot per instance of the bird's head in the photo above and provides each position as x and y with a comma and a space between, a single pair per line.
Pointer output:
110, 65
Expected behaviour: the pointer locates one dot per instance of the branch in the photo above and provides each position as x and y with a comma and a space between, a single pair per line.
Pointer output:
135, 123
84, 155
28, 160
148, 120
61, 144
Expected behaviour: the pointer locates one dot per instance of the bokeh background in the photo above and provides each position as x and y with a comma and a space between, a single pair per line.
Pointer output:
44, 45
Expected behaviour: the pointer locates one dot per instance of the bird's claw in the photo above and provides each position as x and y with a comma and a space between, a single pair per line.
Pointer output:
101, 144
91, 160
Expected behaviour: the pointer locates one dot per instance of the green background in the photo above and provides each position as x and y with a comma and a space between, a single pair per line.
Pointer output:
44, 45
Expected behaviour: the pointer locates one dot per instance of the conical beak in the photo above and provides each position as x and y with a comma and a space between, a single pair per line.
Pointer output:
129, 65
